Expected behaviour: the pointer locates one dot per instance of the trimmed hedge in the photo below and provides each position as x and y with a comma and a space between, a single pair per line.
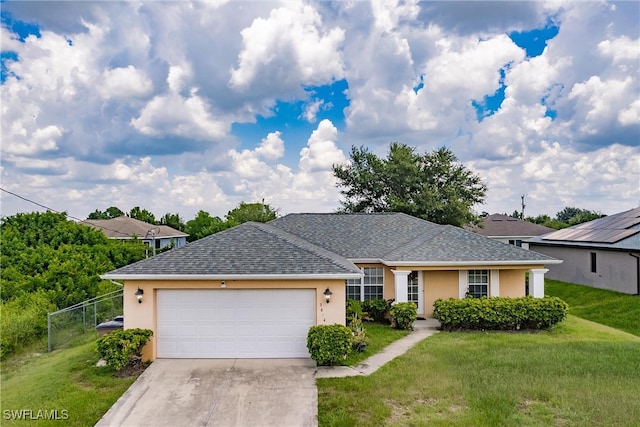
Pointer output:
119, 347
329, 344
403, 314
376, 309
499, 313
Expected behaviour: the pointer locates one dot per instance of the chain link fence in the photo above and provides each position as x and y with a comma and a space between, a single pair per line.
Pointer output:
72, 322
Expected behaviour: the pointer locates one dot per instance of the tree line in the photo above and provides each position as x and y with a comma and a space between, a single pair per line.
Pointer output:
202, 225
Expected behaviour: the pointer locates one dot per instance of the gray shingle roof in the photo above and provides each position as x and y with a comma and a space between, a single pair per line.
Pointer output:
504, 225
397, 237
248, 249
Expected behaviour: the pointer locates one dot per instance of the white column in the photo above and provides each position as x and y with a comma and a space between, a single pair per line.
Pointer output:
463, 283
401, 282
536, 282
494, 283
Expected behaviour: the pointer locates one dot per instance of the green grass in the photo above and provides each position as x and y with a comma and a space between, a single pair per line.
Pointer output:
581, 373
615, 309
380, 335
63, 380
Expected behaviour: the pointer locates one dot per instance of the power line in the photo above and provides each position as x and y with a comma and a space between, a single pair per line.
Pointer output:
63, 213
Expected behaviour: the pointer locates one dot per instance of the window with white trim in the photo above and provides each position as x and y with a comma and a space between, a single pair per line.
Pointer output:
371, 286
478, 283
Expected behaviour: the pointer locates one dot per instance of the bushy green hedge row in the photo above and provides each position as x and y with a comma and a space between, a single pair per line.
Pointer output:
499, 313
117, 348
329, 344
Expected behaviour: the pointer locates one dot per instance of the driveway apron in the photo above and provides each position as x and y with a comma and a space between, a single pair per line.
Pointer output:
220, 392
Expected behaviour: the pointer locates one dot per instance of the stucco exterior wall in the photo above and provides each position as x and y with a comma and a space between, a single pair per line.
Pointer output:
512, 283
439, 284
615, 270
143, 315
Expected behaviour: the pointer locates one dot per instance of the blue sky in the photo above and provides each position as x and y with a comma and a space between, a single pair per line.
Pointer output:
178, 107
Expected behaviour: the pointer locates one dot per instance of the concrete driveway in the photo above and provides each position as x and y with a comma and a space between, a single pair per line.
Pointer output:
220, 392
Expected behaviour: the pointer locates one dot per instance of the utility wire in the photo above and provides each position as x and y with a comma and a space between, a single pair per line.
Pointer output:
64, 213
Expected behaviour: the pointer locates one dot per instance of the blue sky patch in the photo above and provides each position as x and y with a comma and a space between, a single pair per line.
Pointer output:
490, 103
295, 133
21, 28
534, 41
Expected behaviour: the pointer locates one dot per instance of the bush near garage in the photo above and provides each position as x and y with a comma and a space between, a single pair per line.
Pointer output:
329, 344
403, 314
499, 313
122, 347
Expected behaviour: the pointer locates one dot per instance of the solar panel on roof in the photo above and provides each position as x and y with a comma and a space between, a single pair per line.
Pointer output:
610, 229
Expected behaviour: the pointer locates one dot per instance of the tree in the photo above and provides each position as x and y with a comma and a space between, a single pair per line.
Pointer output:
203, 225
142, 215
431, 186
109, 213
173, 221
573, 216
245, 212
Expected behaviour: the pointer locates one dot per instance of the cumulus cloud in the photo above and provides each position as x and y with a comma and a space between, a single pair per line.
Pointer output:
321, 151
289, 47
117, 101
271, 147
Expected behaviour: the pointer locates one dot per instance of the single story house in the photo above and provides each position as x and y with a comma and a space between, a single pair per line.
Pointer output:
255, 289
603, 253
126, 228
508, 229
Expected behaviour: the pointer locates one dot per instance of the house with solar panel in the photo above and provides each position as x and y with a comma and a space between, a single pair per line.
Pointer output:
603, 253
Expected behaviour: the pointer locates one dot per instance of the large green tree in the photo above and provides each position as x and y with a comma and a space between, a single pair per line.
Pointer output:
173, 221
432, 186
109, 213
203, 225
142, 215
245, 212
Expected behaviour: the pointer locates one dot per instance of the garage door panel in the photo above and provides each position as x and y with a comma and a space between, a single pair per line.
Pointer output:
233, 323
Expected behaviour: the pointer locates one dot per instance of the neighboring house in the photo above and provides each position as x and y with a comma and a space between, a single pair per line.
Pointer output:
125, 228
603, 253
510, 230
255, 289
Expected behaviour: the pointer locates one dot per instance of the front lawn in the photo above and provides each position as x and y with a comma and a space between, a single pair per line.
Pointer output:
581, 373
64, 380
380, 335
615, 309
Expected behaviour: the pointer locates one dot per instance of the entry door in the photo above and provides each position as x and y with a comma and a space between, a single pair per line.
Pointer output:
415, 290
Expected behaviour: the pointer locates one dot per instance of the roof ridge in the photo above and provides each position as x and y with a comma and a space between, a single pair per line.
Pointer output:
303, 244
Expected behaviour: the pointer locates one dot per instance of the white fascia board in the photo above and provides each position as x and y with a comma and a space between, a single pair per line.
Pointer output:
366, 260
471, 263
231, 276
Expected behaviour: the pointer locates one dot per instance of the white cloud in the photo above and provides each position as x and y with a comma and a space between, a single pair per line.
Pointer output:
173, 114
271, 147
321, 151
124, 82
597, 101
287, 48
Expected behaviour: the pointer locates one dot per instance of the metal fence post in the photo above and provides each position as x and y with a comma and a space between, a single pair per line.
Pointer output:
48, 332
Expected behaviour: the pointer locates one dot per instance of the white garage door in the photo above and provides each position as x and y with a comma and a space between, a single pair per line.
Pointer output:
234, 323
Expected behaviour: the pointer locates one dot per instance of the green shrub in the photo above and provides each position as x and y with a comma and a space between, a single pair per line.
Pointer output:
23, 320
403, 314
377, 309
119, 347
499, 313
354, 308
329, 344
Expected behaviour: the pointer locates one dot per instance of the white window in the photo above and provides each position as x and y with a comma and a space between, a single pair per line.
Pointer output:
479, 283
371, 286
